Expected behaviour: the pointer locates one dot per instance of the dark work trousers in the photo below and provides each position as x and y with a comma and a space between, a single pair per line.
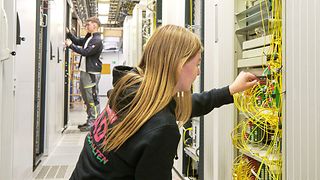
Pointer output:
89, 92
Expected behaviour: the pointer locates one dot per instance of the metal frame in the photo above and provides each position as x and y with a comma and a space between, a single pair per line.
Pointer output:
201, 155
40, 97
66, 73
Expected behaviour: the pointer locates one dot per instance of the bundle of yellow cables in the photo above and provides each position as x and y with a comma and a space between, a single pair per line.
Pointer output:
260, 108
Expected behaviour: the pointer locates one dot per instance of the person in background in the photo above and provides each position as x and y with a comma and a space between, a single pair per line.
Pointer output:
90, 67
136, 136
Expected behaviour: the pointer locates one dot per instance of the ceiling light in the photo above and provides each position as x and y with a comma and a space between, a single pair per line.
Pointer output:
103, 8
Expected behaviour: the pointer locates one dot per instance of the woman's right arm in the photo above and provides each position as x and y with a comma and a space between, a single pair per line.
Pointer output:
205, 102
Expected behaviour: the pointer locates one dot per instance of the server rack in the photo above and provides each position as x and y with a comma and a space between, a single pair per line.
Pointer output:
258, 131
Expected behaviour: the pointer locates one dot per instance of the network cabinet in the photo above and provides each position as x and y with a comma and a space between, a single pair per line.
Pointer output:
258, 132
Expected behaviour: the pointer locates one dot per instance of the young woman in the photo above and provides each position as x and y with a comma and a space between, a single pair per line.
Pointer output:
137, 135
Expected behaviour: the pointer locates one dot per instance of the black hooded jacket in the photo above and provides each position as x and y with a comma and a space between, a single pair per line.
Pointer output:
92, 52
149, 153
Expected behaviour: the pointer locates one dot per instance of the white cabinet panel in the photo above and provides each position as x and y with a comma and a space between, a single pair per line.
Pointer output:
6, 88
302, 87
24, 92
218, 72
55, 75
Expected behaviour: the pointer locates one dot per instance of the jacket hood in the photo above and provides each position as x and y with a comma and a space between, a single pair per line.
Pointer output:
117, 73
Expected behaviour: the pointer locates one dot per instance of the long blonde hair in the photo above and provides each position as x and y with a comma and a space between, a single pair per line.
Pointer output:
167, 50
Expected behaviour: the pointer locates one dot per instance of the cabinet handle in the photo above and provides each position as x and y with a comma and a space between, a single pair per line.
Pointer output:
216, 23
44, 22
18, 38
58, 54
51, 52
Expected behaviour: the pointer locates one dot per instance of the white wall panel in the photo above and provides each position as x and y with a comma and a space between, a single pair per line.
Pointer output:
218, 72
51, 78
132, 36
173, 12
55, 81
60, 31
114, 59
4, 51
302, 87
7, 21
136, 25
126, 40
24, 94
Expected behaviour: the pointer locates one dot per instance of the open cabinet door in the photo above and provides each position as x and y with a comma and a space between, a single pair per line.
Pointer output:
7, 44
4, 50
3, 35
3, 57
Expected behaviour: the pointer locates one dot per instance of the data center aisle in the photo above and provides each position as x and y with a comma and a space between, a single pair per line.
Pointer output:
61, 162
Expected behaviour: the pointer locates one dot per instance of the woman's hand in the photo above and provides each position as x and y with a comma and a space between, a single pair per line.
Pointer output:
244, 80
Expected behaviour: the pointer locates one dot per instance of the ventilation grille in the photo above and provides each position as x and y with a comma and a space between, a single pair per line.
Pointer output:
55, 172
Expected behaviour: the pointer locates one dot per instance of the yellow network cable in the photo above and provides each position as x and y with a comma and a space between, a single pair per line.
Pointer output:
184, 135
260, 130
187, 145
154, 14
242, 169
